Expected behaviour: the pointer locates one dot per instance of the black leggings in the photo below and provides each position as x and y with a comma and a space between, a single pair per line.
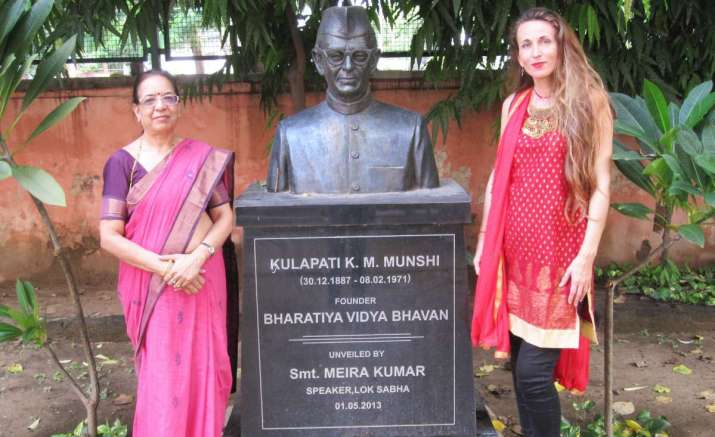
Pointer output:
532, 370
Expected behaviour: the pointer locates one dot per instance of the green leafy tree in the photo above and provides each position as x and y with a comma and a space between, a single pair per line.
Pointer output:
270, 38
274, 38
21, 27
627, 41
674, 162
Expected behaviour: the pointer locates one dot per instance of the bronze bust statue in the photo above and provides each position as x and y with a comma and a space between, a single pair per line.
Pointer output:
350, 143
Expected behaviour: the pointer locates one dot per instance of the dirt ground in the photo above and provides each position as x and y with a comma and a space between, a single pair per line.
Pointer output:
644, 357
642, 360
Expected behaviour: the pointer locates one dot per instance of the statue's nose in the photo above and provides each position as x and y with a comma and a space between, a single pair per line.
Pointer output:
348, 64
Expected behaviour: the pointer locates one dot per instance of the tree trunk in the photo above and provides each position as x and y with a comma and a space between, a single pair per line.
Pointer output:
608, 362
91, 399
154, 49
666, 241
296, 73
196, 50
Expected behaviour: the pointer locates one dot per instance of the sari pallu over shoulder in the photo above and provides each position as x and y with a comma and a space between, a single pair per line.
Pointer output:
490, 321
165, 207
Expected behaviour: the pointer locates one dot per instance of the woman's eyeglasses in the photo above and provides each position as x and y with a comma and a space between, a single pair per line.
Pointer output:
167, 99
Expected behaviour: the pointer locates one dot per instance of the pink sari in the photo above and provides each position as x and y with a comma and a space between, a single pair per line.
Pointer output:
182, 363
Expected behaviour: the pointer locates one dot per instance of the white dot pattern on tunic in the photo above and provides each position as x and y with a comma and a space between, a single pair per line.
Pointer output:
536, 228
539, 242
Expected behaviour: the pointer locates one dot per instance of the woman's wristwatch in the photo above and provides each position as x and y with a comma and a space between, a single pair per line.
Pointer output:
210, 248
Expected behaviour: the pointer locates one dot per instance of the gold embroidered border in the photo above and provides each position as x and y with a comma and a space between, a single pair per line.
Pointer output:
551, 338
114, 209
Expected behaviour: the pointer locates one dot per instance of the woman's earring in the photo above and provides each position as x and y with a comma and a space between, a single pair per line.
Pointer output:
522, 71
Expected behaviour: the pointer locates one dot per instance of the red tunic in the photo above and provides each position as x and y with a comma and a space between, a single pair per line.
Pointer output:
540, 243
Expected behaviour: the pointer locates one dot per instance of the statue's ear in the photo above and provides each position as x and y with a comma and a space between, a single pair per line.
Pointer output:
318, 61
373, 61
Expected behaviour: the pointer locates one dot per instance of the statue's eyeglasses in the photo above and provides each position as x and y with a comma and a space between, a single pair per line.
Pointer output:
166, 99
336, 57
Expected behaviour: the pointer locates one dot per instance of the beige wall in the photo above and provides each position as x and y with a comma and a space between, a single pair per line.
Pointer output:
75, 152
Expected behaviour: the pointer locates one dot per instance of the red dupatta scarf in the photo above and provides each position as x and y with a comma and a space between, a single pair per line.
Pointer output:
165, 207
490, 320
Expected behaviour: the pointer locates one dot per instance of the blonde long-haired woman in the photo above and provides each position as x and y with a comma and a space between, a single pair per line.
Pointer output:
544, 212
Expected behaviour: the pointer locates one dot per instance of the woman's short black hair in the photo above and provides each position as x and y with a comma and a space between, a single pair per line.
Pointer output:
146, 75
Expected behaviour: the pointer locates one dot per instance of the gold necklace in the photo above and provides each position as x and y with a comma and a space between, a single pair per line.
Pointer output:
134, 165
539, 121
139, 153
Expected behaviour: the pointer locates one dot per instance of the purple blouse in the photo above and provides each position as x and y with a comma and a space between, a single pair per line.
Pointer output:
117, 171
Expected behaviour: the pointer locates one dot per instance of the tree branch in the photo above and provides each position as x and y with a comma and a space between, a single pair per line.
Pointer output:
651, 256
74, 293
296, 73
92, 398
74, 383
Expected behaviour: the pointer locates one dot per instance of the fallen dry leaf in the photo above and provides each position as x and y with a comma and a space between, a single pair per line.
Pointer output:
485, 370
624, 408
123, 399
633, 425
33, 426
682, 369
658, 388
106, 361
636, 388
640, 364
710, 408
663, 399
15, 368
498, 425
707, 394
696, 351
559, 387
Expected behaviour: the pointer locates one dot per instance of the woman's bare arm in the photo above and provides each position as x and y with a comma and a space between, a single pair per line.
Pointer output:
222, 216
112, 239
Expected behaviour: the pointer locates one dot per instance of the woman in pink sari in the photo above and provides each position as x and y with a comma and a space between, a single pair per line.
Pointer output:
166, 214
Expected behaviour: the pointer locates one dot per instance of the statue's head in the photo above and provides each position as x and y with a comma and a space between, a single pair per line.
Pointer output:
346, 51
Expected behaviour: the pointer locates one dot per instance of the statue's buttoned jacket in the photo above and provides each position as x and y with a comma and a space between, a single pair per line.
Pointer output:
379, 149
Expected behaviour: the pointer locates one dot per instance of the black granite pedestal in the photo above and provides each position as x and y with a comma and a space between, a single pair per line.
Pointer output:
354, 314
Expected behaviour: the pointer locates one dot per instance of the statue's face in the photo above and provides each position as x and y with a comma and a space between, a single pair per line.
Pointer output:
346, 65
